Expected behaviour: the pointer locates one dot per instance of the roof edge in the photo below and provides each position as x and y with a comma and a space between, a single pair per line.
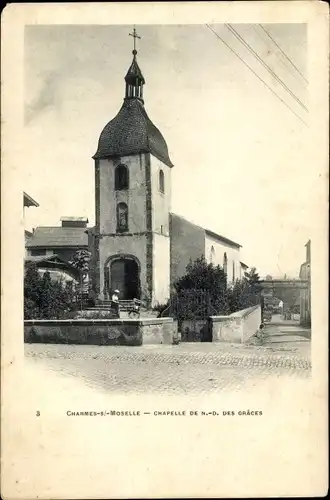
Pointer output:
222, 238
30, 200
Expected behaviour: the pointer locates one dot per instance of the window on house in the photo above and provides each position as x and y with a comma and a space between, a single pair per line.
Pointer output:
37, 252
122, 217
121, 178
225, 263
212, 254
161, 182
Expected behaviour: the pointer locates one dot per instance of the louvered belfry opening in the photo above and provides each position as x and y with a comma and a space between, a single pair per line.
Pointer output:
134, 80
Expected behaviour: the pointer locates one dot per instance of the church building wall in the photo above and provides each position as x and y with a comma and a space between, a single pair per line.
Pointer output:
160, 176
187, 242
134, 241
215, 251
134, 197
161, 269
111, 246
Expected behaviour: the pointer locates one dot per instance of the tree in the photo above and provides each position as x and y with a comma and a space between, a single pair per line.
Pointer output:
202, 288
45, 298
253, 279
240, 296
32, 282
80, 261
203, 276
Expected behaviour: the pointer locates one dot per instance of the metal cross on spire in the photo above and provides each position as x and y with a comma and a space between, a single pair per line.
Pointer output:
135, 36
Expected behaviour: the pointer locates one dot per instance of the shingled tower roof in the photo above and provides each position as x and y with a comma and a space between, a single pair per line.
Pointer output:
134, 72
132, 131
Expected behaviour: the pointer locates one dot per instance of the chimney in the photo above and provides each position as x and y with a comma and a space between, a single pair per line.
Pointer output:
74, 222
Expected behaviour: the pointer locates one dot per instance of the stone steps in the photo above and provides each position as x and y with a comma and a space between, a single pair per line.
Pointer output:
106, 305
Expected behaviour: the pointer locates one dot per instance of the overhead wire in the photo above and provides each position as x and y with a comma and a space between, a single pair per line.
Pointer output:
282, 52
265, 65
256, 74
278, 55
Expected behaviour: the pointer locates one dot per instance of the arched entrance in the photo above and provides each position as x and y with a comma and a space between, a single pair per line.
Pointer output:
122, 272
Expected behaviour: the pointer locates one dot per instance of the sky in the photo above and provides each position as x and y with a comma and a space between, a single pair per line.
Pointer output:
238, 151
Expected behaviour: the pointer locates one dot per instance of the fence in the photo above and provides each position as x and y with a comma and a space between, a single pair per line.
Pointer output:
192, 309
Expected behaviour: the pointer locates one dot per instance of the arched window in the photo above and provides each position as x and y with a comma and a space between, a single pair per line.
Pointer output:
233, 271
225, 263
121, 178
161, 182
122, 217
212, 254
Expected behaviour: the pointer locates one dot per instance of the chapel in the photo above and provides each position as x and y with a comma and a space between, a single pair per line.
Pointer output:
138, 245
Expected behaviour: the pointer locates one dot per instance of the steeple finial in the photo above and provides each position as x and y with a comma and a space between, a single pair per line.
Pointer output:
135, 36
134, 78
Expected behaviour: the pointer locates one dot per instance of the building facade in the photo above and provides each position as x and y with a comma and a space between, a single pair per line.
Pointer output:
305, 294
190, 242
138, 245
28, 202
63, 241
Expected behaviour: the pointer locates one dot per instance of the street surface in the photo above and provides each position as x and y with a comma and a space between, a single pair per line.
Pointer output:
185, 368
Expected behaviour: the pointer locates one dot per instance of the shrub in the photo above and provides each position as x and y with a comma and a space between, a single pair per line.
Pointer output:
44, 298
203, 276
203, 291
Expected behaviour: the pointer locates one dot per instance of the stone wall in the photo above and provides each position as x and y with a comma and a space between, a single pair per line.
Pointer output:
187, 242
237, 327
101, 331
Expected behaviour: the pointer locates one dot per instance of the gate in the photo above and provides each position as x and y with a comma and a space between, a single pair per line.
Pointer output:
191, 309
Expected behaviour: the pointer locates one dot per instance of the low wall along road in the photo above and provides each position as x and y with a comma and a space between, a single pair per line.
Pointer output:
237, 327
130, 332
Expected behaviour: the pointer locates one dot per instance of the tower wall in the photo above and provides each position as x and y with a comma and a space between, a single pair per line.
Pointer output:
161, 206
131, 237
134, 197
133, 242
147, 239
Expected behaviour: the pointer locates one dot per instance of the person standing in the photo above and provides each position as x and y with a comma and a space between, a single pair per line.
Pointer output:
115, 301
281, 307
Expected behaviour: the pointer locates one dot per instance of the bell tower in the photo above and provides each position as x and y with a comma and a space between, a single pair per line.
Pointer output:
131, 240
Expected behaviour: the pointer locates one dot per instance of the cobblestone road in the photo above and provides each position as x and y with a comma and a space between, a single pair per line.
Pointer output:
186, 368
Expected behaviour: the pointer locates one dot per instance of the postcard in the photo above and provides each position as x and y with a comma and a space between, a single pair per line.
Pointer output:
164, 250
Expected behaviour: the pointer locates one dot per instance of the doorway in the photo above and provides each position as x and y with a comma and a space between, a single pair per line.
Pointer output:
125, 276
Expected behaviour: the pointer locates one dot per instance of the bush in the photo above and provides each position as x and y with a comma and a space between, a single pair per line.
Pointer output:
44, 298
241, 296
203, 276
203, 291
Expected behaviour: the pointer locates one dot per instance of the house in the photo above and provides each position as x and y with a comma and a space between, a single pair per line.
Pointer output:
28, 201
58, 269
62, 241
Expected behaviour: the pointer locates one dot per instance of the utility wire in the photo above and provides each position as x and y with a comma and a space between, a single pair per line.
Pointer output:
265, 65
256, 74
280, 59
282, 52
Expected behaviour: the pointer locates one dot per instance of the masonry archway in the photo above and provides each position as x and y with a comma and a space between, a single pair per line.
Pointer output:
287, 291
122, 272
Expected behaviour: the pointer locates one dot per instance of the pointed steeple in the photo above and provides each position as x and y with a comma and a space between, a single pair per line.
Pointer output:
132, 132
134, 78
